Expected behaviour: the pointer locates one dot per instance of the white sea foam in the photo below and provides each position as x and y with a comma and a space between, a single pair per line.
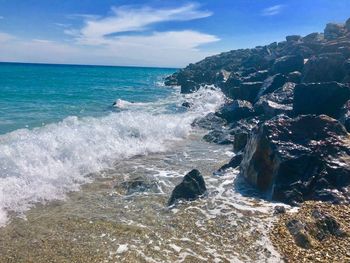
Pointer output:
45, 163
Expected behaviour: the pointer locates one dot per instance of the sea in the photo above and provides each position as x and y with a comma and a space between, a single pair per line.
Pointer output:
89, 156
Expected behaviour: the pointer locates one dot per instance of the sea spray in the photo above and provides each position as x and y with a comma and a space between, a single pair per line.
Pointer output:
45, 163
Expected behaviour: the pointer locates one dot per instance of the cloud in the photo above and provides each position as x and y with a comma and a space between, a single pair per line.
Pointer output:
127, 36
129, 19
1, 17
5, 37
272, 10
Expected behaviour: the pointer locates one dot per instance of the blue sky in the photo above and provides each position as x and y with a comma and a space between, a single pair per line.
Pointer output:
152, 33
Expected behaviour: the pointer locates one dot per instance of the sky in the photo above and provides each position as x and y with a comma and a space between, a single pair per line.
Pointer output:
158, 33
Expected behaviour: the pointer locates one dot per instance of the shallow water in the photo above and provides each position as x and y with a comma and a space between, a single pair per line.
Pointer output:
103, 223
67, 189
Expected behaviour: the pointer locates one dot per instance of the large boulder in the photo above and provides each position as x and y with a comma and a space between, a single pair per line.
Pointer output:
236, 110
191, 188
334, 31
245, 91
324, 67
278, 102
210, 122
219, 136
320, 98
305, 158
288, 64
271, 84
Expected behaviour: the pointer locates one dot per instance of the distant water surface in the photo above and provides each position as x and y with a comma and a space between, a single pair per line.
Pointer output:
32, 95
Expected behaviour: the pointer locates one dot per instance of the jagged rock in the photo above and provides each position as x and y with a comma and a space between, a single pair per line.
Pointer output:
320, 98
278, 102
345, 115
293, 38
288, 64
334, 31
313, 37
286, 158
245, 91
257, 76
233, 163
271, 84
297, 230
324, 67
219, 136
236, 110
294, 77
187, 104
326, 225
347, 24
210, 122
188, 86
191, 188
240, 141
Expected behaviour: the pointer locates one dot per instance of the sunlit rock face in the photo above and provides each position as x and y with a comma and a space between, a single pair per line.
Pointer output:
293, 160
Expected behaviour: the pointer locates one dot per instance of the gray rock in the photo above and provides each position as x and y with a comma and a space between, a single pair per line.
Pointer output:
288, 64
286, 158
320, 98
236, 110
324, 68
191, 188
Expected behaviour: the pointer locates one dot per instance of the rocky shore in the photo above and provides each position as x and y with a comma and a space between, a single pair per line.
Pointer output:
287, 117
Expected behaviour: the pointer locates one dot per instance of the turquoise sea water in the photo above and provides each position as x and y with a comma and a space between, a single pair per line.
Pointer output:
58, 125
33, 95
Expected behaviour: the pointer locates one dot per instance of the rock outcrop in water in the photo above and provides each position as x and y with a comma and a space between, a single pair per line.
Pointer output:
191, 188
288, 113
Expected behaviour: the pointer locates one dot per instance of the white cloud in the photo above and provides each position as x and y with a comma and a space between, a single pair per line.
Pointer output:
272, 10
126, 19
106, 40
4, 37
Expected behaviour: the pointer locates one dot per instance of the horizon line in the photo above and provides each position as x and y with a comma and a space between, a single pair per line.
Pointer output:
85, 65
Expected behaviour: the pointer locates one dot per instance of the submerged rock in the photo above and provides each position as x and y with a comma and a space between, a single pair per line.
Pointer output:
191, 188
137, 185
233, 163
290, 159
320, 98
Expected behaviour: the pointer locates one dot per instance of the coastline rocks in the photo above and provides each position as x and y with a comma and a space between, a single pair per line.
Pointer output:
210, 122
278, 102
219, 136
191, 188
324, 68
291, 160
320, 98
236, 110
288, 64
334, 31
245, 91
271, 84
233, 163
345, 115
